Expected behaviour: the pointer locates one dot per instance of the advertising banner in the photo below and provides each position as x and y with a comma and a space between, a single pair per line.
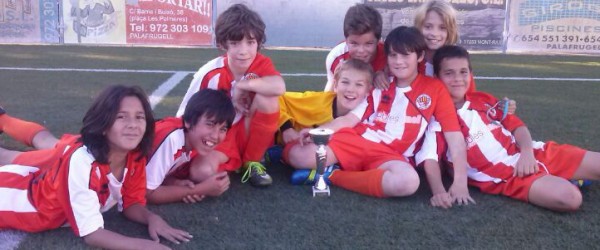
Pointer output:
94, 21
481, 22
29, 21
169, 22
565, 26
49, 21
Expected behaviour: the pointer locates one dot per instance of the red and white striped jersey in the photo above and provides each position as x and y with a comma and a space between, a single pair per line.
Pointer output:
215, 74
168, 151
70, 186
489, 142
399, 116
341, 53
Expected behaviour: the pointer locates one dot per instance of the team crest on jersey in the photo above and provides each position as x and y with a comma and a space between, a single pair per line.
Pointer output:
250, 76
491, 110
423, 101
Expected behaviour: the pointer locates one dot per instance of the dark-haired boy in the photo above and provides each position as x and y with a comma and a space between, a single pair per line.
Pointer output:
502, 157
362, 32
254, 86
375, 154
207, 117
177, 140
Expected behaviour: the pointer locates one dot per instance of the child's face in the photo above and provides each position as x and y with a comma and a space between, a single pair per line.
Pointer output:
403, 67
241, 54
455, 74
205, 135
129, 126
434, 30
351, 88
362, 47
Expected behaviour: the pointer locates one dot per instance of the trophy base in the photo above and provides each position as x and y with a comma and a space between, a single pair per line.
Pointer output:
321, 192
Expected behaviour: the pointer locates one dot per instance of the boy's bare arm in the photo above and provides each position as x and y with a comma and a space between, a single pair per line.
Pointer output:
266, 85
440, 197
213, 186
107, 239
458, 152
347, 121
157, 227
527, 164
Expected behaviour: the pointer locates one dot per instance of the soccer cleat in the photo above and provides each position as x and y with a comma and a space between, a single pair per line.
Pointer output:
307, 176
273, 155
256, 173
581, 183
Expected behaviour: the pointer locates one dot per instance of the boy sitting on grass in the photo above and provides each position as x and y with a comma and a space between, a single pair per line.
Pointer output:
254, 86
502, 158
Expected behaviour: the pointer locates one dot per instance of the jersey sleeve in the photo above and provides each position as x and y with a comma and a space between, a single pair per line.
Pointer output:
445, 112
331, 61
161, 162
207, 74
361, 109
512, 122
264, 67
433, 144
83, 206
134, 185
331, 58
284, 113
306, 109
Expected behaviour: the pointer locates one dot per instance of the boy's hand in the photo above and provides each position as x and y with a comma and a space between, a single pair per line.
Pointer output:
381, 80
158, 227
241, 101
217, 184
460, 194
512, 105
305, 136
443, 200
193, 198
526, 165
183, 183
290, 135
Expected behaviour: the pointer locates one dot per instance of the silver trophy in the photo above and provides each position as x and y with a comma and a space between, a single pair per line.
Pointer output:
320, 137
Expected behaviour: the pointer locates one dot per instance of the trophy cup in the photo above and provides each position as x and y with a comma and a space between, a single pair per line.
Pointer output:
320, 137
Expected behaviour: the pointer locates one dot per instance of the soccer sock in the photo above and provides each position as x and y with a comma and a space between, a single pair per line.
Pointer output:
260, 135
365, 182
20, 130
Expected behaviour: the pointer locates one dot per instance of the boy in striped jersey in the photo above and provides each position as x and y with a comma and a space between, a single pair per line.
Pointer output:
502, 157
375, 155
362, 32
254, 85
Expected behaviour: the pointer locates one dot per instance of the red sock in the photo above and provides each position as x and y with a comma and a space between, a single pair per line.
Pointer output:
260, 135
20, 130
365, 182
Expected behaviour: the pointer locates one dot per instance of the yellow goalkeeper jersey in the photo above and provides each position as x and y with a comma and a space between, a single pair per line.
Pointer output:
306, 109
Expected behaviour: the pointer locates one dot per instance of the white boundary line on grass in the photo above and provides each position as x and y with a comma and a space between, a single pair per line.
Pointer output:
166, 87
10, 239
289, 74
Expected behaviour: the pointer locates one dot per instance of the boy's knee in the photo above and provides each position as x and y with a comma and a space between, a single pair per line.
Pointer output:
200, 170
298, 158
570, 199
402, 183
